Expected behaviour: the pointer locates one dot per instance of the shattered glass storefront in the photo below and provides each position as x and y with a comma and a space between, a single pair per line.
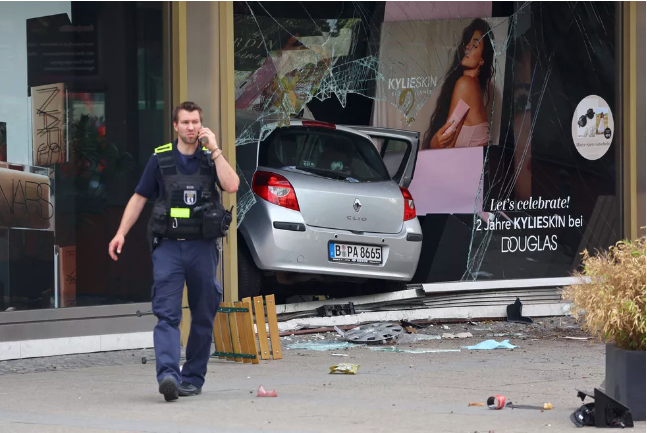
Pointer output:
514, 106
503, 133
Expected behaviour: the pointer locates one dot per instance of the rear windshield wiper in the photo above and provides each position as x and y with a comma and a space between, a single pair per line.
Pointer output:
323, 172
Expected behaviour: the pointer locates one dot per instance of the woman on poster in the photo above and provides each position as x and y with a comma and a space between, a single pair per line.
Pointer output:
460, 118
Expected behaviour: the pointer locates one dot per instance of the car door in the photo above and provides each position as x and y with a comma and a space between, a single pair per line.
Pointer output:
398, 148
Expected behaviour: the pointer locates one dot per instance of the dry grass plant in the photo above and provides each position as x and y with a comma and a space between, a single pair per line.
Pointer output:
612, 302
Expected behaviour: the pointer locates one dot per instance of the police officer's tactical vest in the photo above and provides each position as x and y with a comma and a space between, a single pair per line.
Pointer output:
178, 214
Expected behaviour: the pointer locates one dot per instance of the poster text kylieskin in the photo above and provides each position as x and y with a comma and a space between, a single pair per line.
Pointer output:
530, 243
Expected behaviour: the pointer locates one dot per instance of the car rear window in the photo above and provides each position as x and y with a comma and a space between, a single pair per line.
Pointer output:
328, 153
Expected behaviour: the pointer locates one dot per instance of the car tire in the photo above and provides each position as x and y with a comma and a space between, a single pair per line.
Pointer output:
250, 280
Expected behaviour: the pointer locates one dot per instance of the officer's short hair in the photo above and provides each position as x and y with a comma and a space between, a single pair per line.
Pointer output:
186, 106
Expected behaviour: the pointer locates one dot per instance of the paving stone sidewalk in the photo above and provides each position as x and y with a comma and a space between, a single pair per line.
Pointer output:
392, 392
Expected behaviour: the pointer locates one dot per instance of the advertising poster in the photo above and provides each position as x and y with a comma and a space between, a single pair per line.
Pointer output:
444, 80
592, 127
516, 172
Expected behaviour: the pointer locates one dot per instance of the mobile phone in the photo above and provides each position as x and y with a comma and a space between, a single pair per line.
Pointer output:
203, 140
460, 112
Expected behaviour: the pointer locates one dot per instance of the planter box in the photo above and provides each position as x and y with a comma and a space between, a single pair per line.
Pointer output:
625, 379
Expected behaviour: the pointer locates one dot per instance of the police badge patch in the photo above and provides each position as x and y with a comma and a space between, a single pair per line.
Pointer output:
190, 197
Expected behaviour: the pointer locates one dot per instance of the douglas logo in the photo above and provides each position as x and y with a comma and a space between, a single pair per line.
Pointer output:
520, 244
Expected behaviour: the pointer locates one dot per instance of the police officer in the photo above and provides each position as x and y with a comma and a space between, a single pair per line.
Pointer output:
183, 176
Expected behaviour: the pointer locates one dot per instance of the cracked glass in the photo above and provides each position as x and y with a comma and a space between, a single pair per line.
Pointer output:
492, 89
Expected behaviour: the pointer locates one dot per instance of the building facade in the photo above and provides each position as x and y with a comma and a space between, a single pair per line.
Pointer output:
86, 92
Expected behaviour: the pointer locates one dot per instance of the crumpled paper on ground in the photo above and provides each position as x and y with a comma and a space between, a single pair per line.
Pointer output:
491, 344
344, 368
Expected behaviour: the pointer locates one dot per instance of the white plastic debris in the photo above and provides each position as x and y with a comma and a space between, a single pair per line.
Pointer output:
459, 335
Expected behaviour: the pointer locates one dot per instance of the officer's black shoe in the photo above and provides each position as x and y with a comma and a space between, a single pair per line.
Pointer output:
187, 389
168, 387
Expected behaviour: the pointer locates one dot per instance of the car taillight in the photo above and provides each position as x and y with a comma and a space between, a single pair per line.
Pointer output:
409, 205
276, 189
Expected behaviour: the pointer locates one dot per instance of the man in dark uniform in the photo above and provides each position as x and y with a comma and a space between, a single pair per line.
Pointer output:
183, 176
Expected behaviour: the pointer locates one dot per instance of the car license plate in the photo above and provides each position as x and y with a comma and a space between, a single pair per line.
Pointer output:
355, 253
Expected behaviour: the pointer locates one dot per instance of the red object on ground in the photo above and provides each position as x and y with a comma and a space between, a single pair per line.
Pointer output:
263, 393
496, 402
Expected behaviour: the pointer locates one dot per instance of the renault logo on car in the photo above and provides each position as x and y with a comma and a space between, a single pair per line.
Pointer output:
357, 205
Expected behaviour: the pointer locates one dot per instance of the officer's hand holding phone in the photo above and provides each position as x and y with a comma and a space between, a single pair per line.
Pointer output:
208, 139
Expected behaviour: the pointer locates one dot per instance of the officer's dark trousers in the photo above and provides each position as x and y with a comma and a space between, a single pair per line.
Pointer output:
175, 262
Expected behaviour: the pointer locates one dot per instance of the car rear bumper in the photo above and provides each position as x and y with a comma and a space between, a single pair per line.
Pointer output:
279, 240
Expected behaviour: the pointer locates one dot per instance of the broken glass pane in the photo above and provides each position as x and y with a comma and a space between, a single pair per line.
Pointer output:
509, 194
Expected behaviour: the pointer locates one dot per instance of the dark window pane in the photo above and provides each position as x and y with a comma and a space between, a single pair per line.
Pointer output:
332, 154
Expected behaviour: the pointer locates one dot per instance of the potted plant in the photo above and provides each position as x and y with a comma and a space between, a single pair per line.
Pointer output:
611, 300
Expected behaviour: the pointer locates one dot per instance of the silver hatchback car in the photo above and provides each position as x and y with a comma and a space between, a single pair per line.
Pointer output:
331, 205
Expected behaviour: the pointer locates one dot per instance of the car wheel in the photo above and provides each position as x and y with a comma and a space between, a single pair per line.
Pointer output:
249, 276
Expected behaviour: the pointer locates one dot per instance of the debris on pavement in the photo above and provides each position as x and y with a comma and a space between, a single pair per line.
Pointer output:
311, 331
422, 337
407, 324
372, 333
331, 310
338, 354
508, 334
475, 404
496, 402
290, 325
395, 349
344, 368
263, 393
584, 416
491, 344
514, 313
392, 333
414, 338
300, 309
321, 346
546, 406
459, 335
604, 412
